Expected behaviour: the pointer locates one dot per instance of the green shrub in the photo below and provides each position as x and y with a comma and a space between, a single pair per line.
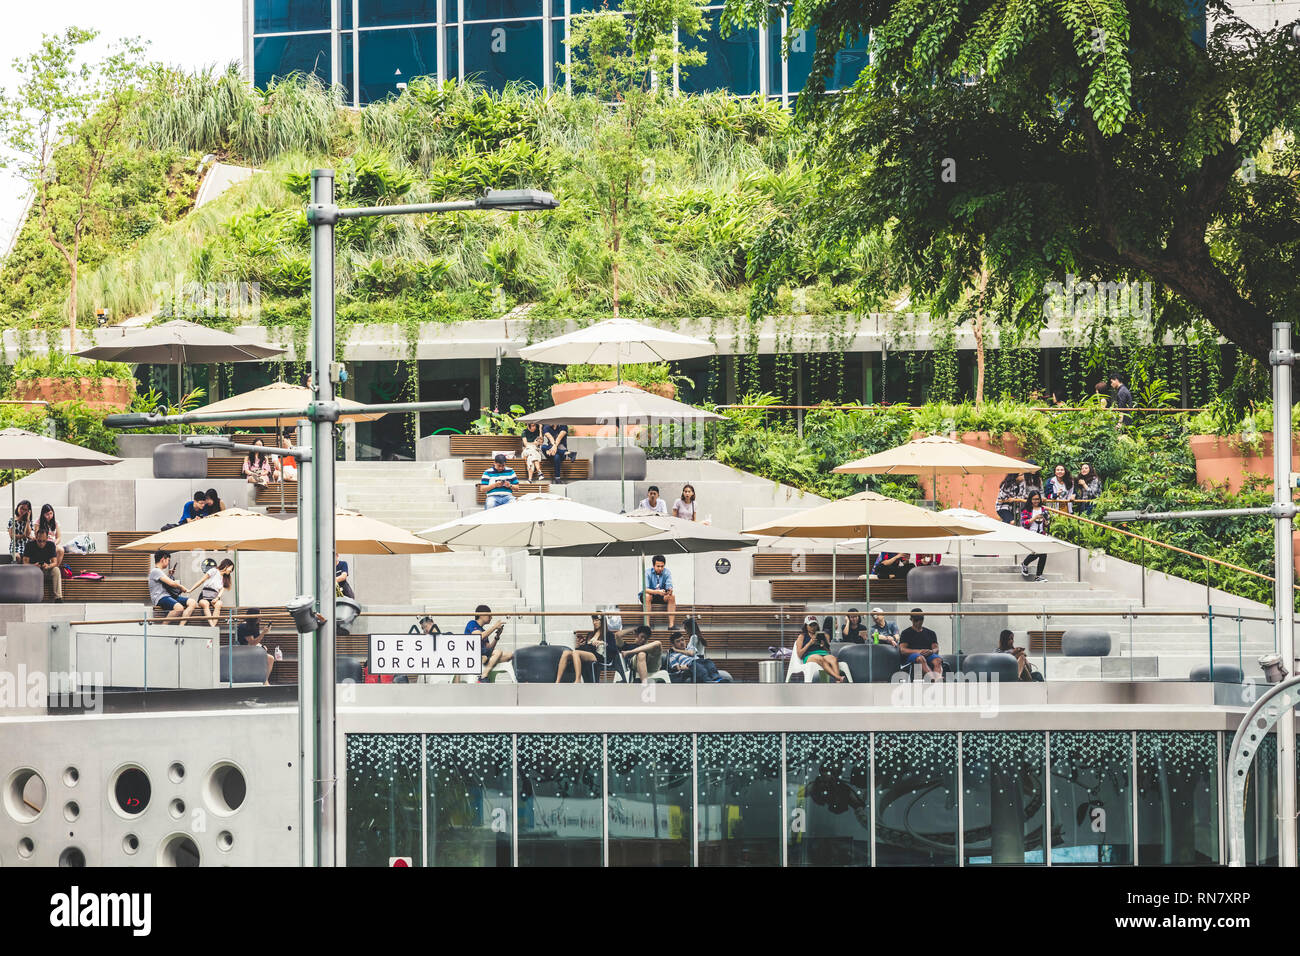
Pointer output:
57, 365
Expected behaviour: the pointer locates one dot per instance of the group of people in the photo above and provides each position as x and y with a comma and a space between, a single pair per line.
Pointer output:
38, 541
261, 468
916, 644
1023, 501
684, 507
606, 645
549, 442
202, 504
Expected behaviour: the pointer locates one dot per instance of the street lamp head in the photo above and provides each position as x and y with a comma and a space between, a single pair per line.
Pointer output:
516, 200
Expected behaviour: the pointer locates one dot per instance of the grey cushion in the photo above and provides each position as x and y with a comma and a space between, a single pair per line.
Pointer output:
870, 663
21, 584
537, 664
249, 662
1223, 674
178, 461
998, 667
934, 583
1085, 642
605, 464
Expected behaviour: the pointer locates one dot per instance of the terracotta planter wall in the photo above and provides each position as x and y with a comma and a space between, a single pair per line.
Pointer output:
104, 394
568, 391
1228, 461
979, 492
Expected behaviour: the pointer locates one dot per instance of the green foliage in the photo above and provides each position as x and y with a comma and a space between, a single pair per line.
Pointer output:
651, 373
57, 365
493, 422
73, 422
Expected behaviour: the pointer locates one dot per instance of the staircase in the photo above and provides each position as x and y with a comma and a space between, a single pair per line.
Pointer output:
406, 494
414, 496
1167, 646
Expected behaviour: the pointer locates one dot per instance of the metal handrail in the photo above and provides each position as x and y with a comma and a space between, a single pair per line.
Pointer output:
911, 408
1170, 547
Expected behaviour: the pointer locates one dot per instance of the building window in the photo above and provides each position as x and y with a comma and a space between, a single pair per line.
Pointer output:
1092, 797
503, 52
1002, 786
731, 62
286, 16
916, 799
828, 799
470, 786
388, 13
383, 774
651, 799
279, 56
561, 810
1178, 798
390, 57
740, 799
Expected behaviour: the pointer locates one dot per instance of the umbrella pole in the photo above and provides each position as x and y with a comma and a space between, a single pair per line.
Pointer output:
541, 564
622, 468
834, 577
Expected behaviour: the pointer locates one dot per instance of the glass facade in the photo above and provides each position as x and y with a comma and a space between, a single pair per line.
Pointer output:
799, 799
386, 42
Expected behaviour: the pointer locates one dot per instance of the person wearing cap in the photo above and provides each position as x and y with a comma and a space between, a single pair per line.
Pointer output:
882, 631
500, 482
919, 643
814, 645
852, 630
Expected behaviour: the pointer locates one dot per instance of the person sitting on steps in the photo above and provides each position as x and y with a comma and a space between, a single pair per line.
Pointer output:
814, 645
588, 648
658, 590
165, 592
43, 555
920, 644
642, 649
490, 637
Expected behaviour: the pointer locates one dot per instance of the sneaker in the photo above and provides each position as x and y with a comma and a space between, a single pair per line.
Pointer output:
279, 655
1040, 578
1024, 571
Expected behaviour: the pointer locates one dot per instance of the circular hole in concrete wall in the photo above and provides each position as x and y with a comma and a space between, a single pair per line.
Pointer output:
25, 795
71, 811
176, 772
72, 856
176, 808
225, 840
227, 789
178, 850
130, 844
71, 776
26, 847
131, 791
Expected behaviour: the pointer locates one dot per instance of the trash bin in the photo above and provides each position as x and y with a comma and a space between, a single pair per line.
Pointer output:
769, 672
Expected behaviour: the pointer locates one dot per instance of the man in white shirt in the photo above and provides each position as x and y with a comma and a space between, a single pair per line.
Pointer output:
652, 501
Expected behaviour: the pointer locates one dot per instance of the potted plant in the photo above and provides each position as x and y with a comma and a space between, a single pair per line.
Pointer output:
1228, 448
105, 386
579, 381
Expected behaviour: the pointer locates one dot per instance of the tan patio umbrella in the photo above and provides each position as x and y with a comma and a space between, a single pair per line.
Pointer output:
611, 405
865, 515
279, 395
236, 529
936, 455
22, 450
617, 342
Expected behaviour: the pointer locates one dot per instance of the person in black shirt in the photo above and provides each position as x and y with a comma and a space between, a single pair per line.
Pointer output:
1123, 397
853, 630
45, 556
251, 632
555, 446
919, 643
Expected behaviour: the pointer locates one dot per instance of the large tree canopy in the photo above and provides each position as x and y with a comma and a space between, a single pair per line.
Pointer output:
1033, 139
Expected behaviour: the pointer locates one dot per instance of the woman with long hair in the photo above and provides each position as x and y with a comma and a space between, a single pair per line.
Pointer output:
21, 529
1087, 486
257, 467
1011, 494
684, 506
50, 525
215, 503
588, 648
1035, 518
814, 645
1060, 487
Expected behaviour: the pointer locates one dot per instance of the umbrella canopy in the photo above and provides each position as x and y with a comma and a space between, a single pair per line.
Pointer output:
863, 515
617, 342
28, 451
677, 536
279, 395
620, 403
936, 455
539, 521
1001, 539
174, 343
238, 530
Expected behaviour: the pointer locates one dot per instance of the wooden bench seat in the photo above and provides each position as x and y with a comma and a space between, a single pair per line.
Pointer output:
279, 497
1041, 641
110, 562
767, 564
577, 470
226, 466
523, 488
116, 589
466, 446
846, 589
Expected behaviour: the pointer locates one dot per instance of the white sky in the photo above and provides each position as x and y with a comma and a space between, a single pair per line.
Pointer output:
182, 34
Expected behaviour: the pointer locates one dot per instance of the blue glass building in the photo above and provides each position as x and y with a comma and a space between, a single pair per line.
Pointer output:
373, 47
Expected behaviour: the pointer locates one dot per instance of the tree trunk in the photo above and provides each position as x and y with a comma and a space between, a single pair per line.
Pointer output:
979, 336
617, 242
72, 299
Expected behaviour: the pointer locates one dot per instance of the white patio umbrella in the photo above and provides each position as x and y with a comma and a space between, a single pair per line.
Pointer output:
22, 450
1001, 539
619, 404
536, 521
617, 342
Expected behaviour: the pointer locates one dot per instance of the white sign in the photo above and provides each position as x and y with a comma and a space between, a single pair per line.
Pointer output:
425, 654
